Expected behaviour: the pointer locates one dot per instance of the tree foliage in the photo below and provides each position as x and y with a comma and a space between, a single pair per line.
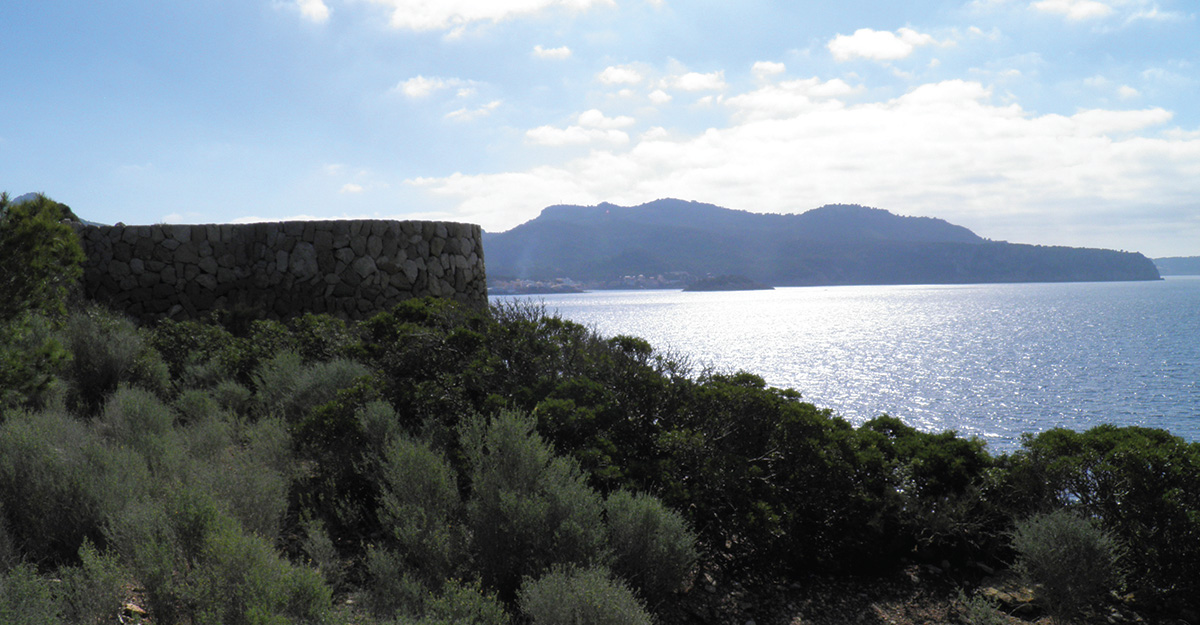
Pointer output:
41, 259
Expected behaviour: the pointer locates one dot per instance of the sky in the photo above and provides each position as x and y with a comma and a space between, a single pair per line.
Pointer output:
1053, 122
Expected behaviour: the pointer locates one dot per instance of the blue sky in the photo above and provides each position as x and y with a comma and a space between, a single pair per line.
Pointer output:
1072, 122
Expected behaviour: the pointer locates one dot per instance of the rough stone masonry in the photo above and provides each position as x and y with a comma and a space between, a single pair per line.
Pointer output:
351, 269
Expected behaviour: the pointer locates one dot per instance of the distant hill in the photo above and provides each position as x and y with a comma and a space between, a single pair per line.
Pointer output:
1178, 266
67, 213
835, 244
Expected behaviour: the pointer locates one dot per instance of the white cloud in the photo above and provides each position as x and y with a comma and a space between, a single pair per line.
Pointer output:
944, 149
790, 98
1075, 10
1126, 92
766, 69
878, 45
695, 81
659, 97
1153, 13
575, 135
420, 86
467, 114
620, 75
559, 53
595, 119
313, 10
351, 188
457, 14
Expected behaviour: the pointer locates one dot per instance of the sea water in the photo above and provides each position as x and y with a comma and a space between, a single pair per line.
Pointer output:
987, 360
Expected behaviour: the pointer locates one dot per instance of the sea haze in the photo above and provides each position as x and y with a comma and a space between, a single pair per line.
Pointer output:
992, 360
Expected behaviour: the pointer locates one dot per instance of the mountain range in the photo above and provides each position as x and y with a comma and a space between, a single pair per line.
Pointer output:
1178, 265
830, 245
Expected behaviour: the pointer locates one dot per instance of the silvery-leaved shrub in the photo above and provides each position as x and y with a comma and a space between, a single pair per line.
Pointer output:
652, 547
569, 595
1069, 560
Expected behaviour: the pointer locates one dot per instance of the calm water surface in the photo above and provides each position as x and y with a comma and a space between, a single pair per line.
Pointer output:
989, 360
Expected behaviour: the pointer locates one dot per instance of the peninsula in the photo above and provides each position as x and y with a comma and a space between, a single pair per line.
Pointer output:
831, 245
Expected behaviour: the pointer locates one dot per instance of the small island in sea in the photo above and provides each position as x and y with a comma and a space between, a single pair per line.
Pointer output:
727, 283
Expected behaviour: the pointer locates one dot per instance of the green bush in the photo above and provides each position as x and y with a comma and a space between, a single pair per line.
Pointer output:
198, 566
140, 421
652, 547
41, 259
240, 580
321, 338
30, 356
93, 592
1142, 485
574, 596
463, 604
108, 350
1071, 563
390, 588
322, 554
252, 477
27, 599
233, 397
290, 389
978, 610
59, 484
529, 508
420, 510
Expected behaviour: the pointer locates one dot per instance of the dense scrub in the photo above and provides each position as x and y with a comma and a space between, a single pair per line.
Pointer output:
445, 464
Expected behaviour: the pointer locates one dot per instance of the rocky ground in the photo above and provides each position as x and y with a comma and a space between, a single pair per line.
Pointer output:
916, 595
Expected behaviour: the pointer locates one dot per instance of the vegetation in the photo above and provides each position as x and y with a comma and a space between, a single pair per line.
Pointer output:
1071, 562
441, 464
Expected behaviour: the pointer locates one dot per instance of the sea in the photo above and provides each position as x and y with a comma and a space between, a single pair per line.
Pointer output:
992, 361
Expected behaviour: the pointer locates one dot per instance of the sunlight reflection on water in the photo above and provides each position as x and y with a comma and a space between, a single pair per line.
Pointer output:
987, 360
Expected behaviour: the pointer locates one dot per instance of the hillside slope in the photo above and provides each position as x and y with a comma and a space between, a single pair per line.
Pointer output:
834, 244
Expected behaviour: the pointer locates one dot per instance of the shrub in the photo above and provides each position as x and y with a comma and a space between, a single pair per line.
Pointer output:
198, 566
289, 389
59, 484
138, 420
320, 338
573, 596
108, 350
420, 509
41, 256
322, 553
240, 580
529, 508
391, 590
1141, 484
26, 599
652, 547
233, 397
463, 604
978, 610
1070, 561
94, 591
30, 356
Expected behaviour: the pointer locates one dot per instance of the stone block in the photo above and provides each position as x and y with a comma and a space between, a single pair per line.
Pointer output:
208, 265
144, 248
303, 261
187, 254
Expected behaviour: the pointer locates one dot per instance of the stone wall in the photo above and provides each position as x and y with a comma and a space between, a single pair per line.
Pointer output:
351, 269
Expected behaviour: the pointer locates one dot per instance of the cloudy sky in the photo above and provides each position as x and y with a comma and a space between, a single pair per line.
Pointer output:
1072, 122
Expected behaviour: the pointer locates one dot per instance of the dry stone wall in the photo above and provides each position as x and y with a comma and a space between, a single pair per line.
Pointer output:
351, 269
